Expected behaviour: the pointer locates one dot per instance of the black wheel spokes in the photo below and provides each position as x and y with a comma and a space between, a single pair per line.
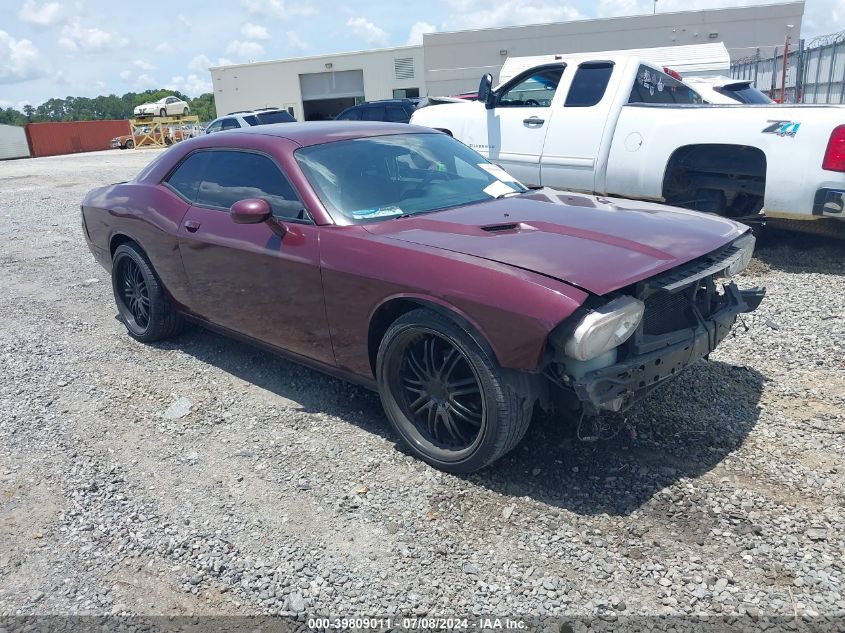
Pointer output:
442, 394
136, 298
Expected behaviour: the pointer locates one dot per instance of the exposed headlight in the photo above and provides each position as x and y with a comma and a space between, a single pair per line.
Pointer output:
605, 328
745, 244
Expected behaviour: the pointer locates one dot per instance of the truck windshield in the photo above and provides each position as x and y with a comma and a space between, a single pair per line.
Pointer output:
382, 177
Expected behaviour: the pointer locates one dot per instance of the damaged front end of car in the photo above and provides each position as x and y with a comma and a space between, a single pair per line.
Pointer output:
624, 346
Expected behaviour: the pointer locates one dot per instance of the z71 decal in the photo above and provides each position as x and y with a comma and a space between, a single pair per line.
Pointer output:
782, 128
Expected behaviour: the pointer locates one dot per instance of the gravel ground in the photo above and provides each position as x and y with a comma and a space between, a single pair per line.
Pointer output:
203, 476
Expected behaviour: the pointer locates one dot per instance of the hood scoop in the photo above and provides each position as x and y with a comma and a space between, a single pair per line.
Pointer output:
499, 228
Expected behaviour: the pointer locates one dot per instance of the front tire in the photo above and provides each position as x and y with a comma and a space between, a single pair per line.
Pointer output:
130, 144
142, 304
446, 395
185, 112
162, 112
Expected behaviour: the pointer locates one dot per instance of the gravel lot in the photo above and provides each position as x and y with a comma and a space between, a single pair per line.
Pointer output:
204, 476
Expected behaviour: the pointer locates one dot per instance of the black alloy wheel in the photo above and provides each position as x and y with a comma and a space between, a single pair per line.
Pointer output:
446, 395
439, 392
133, 294
142, 303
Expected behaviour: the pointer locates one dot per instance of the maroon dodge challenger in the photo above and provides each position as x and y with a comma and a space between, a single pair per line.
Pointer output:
398, 258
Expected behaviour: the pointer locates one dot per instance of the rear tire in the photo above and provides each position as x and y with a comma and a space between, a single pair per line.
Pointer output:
142, 304
446, 395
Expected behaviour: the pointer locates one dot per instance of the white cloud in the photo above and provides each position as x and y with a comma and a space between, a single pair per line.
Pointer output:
20, 60
163, 47
77, 38
202, 63
295, 42
143, 64
255, 31
192, 85
45, 15
145, 81
278, 9
415, 36
249, 50
125, 74
479, 14
367, 31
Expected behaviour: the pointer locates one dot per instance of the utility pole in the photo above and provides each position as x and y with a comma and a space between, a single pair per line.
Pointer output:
654, 9
785, 62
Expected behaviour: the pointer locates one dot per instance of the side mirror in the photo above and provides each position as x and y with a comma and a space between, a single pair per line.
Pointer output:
250, 211
485, 90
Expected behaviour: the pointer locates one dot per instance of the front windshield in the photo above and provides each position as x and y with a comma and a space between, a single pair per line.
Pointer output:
381, 177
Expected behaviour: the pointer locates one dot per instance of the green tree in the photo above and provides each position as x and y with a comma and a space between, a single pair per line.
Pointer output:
103, 107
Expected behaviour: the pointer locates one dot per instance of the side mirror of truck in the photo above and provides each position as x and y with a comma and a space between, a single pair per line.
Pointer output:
485, 91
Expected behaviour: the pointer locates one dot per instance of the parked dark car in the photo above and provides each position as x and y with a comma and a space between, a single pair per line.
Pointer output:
389, 110
396, 257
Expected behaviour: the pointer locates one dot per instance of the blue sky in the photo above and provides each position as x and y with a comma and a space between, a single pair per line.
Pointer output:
51, 48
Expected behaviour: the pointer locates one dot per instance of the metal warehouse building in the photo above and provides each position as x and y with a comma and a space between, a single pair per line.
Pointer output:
319, 87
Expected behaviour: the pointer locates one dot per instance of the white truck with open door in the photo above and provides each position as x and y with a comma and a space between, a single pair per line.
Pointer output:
616, 124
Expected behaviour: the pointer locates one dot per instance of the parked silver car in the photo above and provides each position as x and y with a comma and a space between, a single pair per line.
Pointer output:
248, 118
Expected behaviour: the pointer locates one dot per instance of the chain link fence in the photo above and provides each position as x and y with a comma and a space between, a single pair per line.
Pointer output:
815, 71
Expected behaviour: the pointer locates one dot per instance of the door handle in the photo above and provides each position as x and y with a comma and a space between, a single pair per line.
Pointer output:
534, 120
191, 226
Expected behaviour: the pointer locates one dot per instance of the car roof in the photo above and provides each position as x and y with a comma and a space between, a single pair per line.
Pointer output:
255, 111
318, 132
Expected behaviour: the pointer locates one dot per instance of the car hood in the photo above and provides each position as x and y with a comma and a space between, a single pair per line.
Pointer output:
598, 244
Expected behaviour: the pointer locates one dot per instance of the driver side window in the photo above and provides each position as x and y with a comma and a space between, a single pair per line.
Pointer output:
534, 91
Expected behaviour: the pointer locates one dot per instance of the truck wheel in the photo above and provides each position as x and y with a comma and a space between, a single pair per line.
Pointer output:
446, 396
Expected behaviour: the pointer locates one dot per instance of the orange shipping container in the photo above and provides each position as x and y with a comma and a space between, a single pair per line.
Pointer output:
70, 137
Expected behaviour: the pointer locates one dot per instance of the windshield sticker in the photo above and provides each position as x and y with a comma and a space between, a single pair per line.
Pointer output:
497, 172
782, 128
498, 188
383, 212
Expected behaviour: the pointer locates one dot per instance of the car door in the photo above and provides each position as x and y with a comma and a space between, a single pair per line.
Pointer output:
260, 280
576, 129
517, 124
171, 106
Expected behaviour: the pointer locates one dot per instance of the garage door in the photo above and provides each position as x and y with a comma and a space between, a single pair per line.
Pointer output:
345, 83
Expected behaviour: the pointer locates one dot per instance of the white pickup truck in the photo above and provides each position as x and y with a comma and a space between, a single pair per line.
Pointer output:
619, 125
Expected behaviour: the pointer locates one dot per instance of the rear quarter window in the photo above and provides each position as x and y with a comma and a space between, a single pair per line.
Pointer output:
281, 116
186, 178
653, 86
589, 84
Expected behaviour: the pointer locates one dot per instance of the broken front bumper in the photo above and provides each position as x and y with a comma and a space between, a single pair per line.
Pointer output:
617, 387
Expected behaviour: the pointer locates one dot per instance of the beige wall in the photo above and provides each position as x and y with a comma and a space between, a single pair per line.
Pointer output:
276, 83
742, 30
